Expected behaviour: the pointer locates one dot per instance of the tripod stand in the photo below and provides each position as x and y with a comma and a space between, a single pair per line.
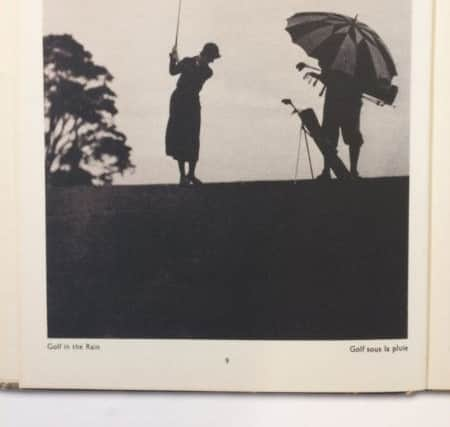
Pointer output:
310, 126
303, 136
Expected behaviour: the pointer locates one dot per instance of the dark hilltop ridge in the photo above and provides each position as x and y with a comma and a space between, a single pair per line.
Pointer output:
268, 260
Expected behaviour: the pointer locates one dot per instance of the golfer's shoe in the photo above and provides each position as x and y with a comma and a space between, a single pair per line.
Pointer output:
184, 181
195, 181
324, 176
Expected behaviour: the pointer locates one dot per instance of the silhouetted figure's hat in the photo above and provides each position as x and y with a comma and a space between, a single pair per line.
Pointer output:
211, 50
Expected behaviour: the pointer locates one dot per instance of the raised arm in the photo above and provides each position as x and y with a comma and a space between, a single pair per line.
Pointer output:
175, 64
174, 67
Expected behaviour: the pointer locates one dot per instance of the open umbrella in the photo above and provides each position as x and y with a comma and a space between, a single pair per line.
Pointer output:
346, 45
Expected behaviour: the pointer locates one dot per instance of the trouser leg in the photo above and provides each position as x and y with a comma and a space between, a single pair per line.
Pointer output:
353, 138
330, 130
354, 158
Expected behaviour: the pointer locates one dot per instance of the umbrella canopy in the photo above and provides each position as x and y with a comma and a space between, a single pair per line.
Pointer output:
343, 44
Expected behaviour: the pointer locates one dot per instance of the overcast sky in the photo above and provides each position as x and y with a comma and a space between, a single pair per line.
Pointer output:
247, 133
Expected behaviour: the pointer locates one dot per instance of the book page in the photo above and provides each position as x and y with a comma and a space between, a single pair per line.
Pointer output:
244, 211
439, 353
9, 354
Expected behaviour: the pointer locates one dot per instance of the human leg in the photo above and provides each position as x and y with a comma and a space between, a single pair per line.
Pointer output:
330, 131
183, 177
191, 174
354, 158
181, 168
352, 136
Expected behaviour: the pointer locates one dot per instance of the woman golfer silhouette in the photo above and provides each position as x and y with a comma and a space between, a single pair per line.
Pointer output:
183, 129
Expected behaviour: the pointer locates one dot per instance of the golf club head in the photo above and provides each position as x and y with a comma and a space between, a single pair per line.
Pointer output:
301, 66
286, 101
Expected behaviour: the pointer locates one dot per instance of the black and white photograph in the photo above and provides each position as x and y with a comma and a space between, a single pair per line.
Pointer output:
227, 170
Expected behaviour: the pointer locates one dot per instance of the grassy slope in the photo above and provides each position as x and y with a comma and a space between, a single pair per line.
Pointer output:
245, 261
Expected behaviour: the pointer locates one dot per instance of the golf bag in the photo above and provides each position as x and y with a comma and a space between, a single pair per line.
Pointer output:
312, 125
385, 94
